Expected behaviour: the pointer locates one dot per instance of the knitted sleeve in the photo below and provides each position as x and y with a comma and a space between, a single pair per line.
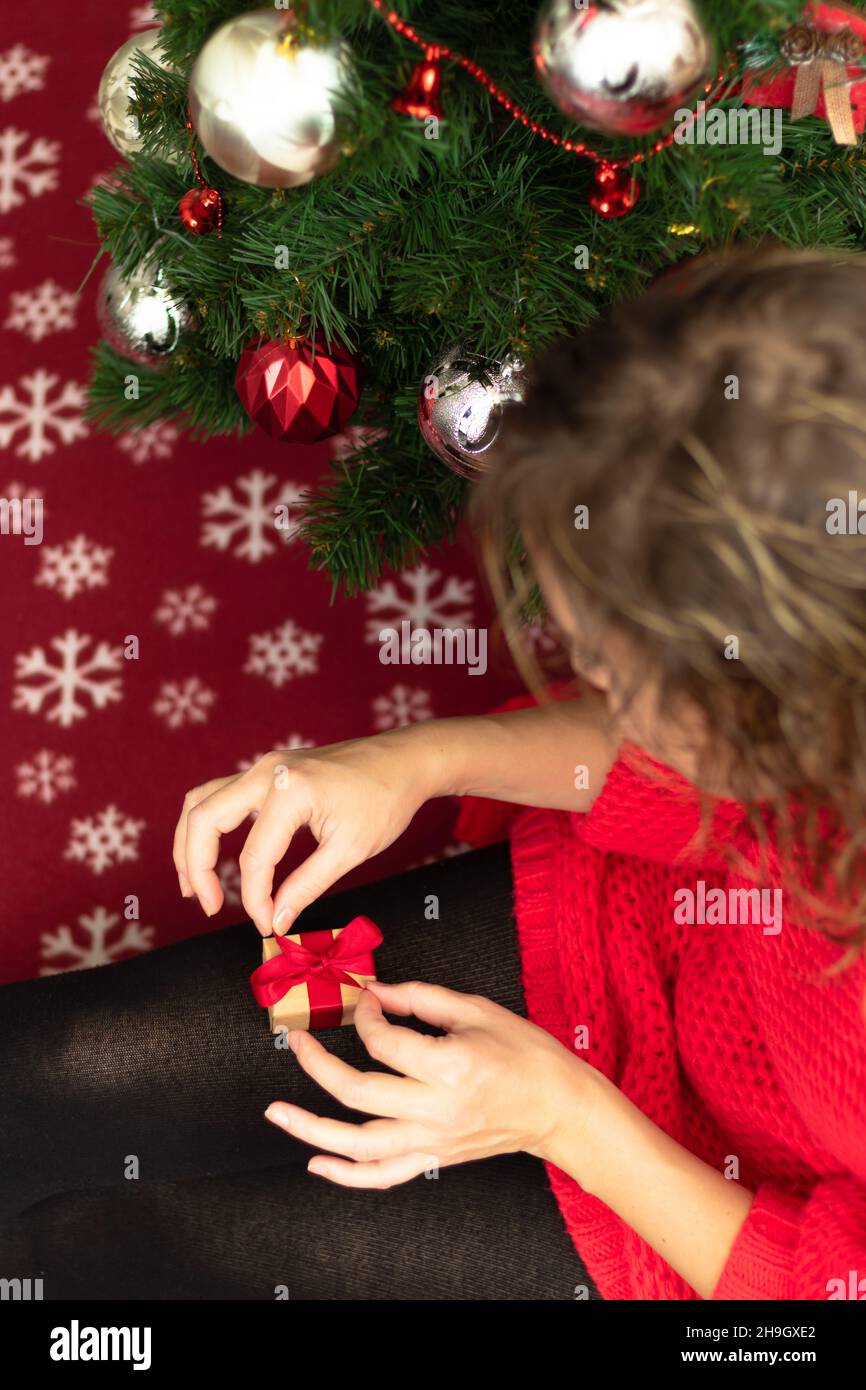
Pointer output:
648, 811
644, 809
811, 1247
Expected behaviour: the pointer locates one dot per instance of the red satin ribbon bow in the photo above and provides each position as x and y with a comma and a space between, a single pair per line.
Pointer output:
322, 962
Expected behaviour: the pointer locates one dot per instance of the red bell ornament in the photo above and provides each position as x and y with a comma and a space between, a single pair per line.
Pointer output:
616, 190
422, 94
201, 210
297, 392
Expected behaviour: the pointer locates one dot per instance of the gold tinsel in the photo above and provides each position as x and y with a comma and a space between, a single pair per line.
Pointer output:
595, 276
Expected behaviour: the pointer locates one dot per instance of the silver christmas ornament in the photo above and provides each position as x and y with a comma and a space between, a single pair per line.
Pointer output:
461, 402
116, 90
621, 66
140, 316
263, 95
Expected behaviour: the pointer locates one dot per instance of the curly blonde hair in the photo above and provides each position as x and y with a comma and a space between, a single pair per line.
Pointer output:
715, 431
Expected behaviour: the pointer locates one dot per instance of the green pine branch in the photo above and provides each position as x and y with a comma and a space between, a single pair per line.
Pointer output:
410, 244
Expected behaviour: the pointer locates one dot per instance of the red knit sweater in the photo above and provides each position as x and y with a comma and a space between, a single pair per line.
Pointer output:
736, 1042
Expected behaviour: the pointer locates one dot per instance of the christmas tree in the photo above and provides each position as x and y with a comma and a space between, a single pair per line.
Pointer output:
474, 187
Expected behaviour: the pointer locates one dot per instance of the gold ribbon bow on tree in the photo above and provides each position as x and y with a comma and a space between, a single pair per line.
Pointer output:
821, 59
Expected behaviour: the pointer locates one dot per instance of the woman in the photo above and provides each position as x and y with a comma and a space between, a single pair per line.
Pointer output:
692, 1070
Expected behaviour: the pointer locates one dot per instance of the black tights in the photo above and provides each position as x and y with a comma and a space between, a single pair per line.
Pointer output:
166, 1060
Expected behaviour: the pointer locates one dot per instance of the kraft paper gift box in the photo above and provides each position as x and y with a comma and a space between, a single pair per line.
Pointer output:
314, 979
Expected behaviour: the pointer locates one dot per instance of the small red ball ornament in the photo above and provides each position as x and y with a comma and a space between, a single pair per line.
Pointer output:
201, 210
616, 190
297, 394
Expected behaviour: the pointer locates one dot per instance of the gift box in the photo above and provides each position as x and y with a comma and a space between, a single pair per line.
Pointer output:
314, 979
825, 74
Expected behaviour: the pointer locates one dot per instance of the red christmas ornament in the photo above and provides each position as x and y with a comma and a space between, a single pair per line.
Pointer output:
421, 95
616, 190
295, 395
201, 210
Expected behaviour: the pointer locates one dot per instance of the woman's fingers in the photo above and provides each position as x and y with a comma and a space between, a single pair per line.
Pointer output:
413, 1054
284, 804
396, 1097
267, 842
219, 812
382, 1173
444, 1008
373, 1140
192, 798
319, 872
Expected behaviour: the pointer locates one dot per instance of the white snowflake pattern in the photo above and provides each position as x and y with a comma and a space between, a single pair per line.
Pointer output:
422, 606
354, 438
229, 875
185, 610
293, 741
143, 17
45, 309
21, 71
77, 564
103, 840
7, 253
22, 490
184, 702
107, 179
71, 680
154, 441
284, 653
95, 926
543, 638
247, 525
26, 171
290, 744
401, 705
46, 776
37, 413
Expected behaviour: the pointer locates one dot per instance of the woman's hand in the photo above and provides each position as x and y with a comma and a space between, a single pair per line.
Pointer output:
494, 1084
356, 798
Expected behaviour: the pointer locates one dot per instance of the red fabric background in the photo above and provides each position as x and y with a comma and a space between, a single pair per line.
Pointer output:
64, 884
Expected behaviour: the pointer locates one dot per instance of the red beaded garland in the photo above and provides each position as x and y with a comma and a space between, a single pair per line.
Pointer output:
624, 200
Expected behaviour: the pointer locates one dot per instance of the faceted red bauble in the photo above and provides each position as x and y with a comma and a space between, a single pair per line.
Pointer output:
616, 190
200, 210
295, 395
